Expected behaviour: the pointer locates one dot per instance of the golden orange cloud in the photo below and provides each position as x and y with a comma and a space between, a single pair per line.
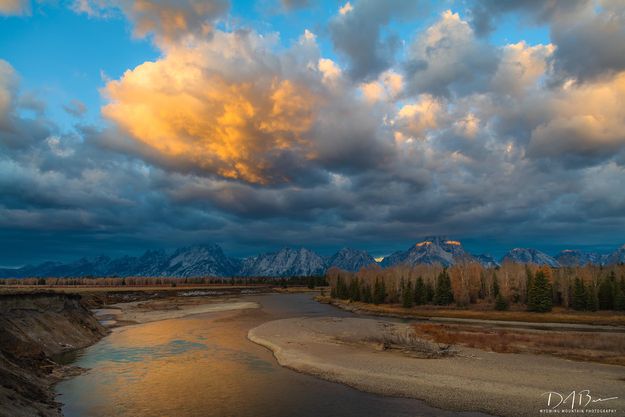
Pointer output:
586, 118
199, 118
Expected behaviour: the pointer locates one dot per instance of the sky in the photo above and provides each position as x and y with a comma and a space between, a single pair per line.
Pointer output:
133, 125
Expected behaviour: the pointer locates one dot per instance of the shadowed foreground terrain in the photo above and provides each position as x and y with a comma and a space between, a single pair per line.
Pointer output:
34, 328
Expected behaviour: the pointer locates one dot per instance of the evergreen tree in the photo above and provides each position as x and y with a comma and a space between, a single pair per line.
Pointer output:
354, 289
443, 294
580, 298
501, 303
367, 297
483, 287
407, 295
419, 292
379, 292
495, 285
607, 292
592, 301
619, 297
540, 294
429, 293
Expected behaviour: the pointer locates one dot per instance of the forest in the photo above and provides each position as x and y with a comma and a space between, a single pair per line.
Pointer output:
512, 285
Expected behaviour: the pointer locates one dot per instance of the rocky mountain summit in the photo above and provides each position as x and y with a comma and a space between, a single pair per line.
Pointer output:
529, 256
429, 251
350, 259
210, 260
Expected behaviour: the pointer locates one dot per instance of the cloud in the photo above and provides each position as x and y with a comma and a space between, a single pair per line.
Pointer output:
447, 59
14, 7
193, 110
522, 67
294, 4
230, 109
8, 87
591, 43
230, 136
483, 12
76, 108
356, 33
168, 20
588, 36
585, 121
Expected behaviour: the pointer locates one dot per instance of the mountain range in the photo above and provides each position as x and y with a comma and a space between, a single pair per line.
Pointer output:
210, 260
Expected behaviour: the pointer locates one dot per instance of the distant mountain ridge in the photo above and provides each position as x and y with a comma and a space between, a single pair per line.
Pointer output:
210, 260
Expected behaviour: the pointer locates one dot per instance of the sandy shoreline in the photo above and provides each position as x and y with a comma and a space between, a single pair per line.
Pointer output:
136, 312
473, 380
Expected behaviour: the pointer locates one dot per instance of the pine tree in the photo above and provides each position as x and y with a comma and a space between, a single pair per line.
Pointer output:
495, 285
580, 297
501, 303
592, 301
367, 297
540, 294
419, 292
379, 292
429, 293
607, 292
443, 294
407, 295
354, 289
619, 298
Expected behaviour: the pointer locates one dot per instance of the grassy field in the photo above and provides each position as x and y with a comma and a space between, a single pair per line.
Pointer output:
558, 315
593, 347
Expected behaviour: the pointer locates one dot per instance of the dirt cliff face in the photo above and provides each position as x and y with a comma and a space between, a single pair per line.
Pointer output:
34, 327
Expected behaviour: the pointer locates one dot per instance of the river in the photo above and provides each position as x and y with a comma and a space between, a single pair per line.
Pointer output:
203, 365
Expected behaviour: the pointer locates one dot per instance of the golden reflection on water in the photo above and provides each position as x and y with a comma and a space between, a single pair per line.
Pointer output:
204, 366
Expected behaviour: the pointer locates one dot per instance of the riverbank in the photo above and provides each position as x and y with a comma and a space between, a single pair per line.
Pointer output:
348, 350
559, 318
38, 326
34, 328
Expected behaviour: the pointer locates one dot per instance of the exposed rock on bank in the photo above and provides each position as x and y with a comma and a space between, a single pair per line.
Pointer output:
35, 327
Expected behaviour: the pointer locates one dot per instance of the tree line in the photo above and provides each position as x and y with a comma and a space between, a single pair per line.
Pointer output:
309, 281
528, 286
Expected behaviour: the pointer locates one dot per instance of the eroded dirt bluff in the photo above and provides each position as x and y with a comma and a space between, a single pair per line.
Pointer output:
34, 327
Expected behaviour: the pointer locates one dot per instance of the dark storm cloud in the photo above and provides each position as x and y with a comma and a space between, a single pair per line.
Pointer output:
484, 13
357, 33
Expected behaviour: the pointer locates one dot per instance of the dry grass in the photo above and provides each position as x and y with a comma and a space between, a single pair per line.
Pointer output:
595, 347
558, 315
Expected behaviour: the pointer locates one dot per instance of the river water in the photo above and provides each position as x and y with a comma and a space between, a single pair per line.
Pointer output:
203, 365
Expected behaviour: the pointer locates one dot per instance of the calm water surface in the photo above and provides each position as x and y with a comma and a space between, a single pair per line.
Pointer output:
204, 365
